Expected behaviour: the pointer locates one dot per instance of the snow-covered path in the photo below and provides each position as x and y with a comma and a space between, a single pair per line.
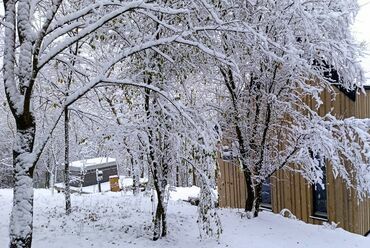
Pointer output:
118, 220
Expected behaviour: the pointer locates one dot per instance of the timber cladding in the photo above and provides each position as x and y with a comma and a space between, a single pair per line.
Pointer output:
89, 176
231, 185
289, 190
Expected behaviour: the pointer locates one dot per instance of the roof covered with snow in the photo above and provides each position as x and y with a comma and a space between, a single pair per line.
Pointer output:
92, 163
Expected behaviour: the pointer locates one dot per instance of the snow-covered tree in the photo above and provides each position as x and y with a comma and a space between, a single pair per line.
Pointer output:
293, 51
36, 34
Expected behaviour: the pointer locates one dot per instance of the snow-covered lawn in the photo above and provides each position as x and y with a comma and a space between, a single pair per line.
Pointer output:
119, 220
124, 182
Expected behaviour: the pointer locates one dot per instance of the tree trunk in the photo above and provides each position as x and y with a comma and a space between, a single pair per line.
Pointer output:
159, 229
257, 199
250, 192
134, 173
164, 222
51, 180
47, 180
194, 177
159, 221
135, 182
230, 84
67, 190
21, 219
159, 173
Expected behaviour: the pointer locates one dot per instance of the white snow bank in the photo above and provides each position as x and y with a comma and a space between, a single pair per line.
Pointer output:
183, 193
120, 220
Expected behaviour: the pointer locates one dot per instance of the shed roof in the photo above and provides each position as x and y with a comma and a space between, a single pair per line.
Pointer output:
92, 163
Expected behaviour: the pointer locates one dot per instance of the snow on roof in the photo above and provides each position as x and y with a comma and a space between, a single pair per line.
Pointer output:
92, 163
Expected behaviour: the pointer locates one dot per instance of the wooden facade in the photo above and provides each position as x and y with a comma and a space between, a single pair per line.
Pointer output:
88, 177
83, 172
291, 191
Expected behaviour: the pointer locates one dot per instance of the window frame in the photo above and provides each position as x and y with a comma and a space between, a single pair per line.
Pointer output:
315, 212
267, 205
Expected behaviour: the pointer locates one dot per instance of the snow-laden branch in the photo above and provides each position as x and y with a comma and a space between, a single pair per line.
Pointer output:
216, 54
90, 28
127, 52
39, 147
13, 95
49, 18
155, 89
100, 78
67, 42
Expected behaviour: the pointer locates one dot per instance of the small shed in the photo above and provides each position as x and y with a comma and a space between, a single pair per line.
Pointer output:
85, 170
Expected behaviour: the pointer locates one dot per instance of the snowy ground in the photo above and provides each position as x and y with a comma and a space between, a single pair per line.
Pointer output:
124, 182
119, 220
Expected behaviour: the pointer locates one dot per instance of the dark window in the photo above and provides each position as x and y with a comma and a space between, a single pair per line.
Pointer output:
227, 153
349, 93
331, 74
319, 196
266, 193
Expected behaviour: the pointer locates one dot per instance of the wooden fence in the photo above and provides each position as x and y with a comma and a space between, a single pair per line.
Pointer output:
231, 185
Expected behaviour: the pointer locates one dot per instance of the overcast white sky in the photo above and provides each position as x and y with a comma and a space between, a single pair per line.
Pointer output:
361, 30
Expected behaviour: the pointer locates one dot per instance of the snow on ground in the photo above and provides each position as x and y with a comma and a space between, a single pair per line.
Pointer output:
183, 193
124, 182
121, 220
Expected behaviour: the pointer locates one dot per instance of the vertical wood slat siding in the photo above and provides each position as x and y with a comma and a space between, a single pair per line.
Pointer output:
363, 207
231, 185
290, 190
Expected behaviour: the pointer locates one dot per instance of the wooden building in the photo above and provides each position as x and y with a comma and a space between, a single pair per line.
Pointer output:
287, 190
84, 171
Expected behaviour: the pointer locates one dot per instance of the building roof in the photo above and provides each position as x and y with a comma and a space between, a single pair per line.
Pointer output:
92, 163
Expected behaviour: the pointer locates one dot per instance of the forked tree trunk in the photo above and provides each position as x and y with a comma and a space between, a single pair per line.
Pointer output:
160, 183
21, 219
254, 195
159, 221
159, 218
230, 84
